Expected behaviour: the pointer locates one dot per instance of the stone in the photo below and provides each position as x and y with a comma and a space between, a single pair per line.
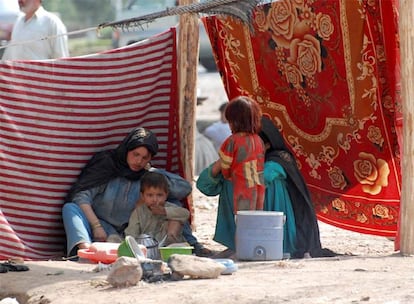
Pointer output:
125, 272
195, 267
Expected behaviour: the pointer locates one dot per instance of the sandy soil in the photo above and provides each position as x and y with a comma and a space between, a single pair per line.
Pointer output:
369, 271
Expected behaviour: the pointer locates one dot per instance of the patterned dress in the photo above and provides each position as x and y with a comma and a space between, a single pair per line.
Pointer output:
242, 162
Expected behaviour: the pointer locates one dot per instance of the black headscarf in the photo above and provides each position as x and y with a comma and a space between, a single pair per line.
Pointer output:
307, 229
106, 165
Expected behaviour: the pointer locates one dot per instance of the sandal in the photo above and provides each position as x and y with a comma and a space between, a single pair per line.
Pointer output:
201, 251
225, 254
5, 267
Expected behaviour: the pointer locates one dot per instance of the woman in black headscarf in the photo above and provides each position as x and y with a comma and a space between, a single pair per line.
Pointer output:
307, 229
101, 201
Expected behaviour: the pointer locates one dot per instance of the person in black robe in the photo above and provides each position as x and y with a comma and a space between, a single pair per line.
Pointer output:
307, 229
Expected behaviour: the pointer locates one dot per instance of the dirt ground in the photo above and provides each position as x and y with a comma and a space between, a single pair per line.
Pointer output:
368, 272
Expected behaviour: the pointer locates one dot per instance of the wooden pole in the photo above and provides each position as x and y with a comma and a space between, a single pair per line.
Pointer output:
188, 49
407, 83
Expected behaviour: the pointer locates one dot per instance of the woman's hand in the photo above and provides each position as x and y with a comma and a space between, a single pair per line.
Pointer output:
99, 234
216, 168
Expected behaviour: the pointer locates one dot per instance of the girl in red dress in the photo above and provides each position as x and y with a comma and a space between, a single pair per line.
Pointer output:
242, 154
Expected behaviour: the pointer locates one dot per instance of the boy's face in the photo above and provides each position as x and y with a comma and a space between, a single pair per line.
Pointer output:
154, 196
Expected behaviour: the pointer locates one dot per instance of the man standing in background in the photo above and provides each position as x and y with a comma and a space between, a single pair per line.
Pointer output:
220, 130
45, 31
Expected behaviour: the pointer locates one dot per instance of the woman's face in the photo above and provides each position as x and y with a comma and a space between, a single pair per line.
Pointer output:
138, 158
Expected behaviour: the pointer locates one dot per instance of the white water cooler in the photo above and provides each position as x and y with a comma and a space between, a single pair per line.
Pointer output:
259, 235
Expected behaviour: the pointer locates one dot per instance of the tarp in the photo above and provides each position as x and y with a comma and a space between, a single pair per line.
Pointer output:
327, 72
55, 114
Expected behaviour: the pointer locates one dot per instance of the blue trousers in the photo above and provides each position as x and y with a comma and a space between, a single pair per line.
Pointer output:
78, 230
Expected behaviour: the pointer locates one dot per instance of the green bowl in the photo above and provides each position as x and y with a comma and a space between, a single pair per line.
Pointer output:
166, 252
130, 248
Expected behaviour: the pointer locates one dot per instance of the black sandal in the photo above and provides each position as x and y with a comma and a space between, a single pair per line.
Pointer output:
225, 254
5, 267
201, 251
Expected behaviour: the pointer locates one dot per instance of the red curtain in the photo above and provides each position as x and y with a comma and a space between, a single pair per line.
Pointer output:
327, 72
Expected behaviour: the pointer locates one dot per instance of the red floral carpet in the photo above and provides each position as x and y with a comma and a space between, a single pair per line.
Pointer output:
327, 74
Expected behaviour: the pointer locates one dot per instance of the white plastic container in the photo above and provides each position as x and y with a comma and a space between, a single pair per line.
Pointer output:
259, 235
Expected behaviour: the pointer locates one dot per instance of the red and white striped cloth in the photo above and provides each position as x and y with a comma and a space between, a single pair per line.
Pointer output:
55, 114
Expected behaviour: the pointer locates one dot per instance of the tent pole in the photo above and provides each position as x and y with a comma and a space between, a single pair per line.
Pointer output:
188, 49
407, 77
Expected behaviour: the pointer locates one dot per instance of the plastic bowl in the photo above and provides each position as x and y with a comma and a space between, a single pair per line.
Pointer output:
166, 252
131, 248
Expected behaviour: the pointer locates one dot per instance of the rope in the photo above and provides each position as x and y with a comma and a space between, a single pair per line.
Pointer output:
241, 9
51, 37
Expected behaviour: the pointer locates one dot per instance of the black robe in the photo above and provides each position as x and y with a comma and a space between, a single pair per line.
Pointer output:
307, 229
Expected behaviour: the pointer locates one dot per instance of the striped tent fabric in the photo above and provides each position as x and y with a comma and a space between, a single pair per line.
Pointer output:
55, 114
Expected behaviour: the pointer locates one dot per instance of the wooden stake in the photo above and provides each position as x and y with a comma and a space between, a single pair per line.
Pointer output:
188, 49
407, 82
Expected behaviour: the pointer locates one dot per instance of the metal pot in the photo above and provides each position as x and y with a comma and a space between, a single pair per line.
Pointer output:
151, 244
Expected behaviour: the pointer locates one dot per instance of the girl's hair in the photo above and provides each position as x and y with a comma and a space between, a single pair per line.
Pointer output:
154, 180
244, 114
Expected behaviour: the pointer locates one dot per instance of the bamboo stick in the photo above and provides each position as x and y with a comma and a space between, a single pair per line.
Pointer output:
407, 82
